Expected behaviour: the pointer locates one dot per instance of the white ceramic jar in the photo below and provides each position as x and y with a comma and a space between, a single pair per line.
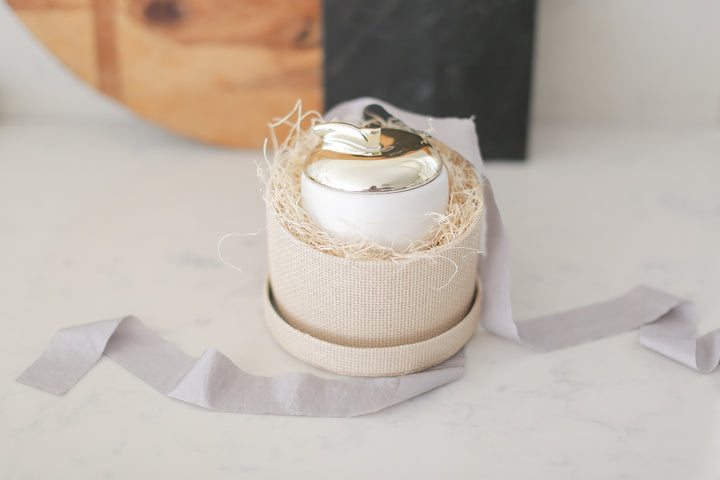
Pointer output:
381, 184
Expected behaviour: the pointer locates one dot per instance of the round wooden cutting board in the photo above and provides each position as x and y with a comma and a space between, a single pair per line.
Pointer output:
214, 70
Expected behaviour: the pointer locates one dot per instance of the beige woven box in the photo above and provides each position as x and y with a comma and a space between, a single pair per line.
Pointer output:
356, 310
372, 317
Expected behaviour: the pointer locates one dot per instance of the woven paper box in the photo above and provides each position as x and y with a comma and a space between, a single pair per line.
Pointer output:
373, 317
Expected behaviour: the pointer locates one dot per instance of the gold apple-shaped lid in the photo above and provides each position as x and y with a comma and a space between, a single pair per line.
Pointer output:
371, 160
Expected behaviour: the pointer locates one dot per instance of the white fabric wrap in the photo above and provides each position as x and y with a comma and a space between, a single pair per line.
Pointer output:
668, 326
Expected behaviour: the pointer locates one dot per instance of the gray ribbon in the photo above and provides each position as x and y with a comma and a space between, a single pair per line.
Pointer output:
667, 325
212, 381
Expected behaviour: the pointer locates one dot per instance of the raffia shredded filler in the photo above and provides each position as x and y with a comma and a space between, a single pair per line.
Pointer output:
281, 176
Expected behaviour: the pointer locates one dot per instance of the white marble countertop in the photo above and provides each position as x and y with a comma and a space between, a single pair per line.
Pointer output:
105, 219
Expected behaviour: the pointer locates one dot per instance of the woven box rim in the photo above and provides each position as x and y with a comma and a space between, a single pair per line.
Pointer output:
372, 361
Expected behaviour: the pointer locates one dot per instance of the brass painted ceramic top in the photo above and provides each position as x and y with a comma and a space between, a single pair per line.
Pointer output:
371, 160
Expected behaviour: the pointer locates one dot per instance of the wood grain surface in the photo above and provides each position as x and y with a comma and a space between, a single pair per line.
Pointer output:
214, 70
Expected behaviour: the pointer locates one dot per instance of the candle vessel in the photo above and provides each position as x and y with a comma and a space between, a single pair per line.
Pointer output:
380, 184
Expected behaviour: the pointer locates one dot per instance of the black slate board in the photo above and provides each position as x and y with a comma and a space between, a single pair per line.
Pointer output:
443, 58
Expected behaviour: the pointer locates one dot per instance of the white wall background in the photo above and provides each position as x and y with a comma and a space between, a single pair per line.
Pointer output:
626, 62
